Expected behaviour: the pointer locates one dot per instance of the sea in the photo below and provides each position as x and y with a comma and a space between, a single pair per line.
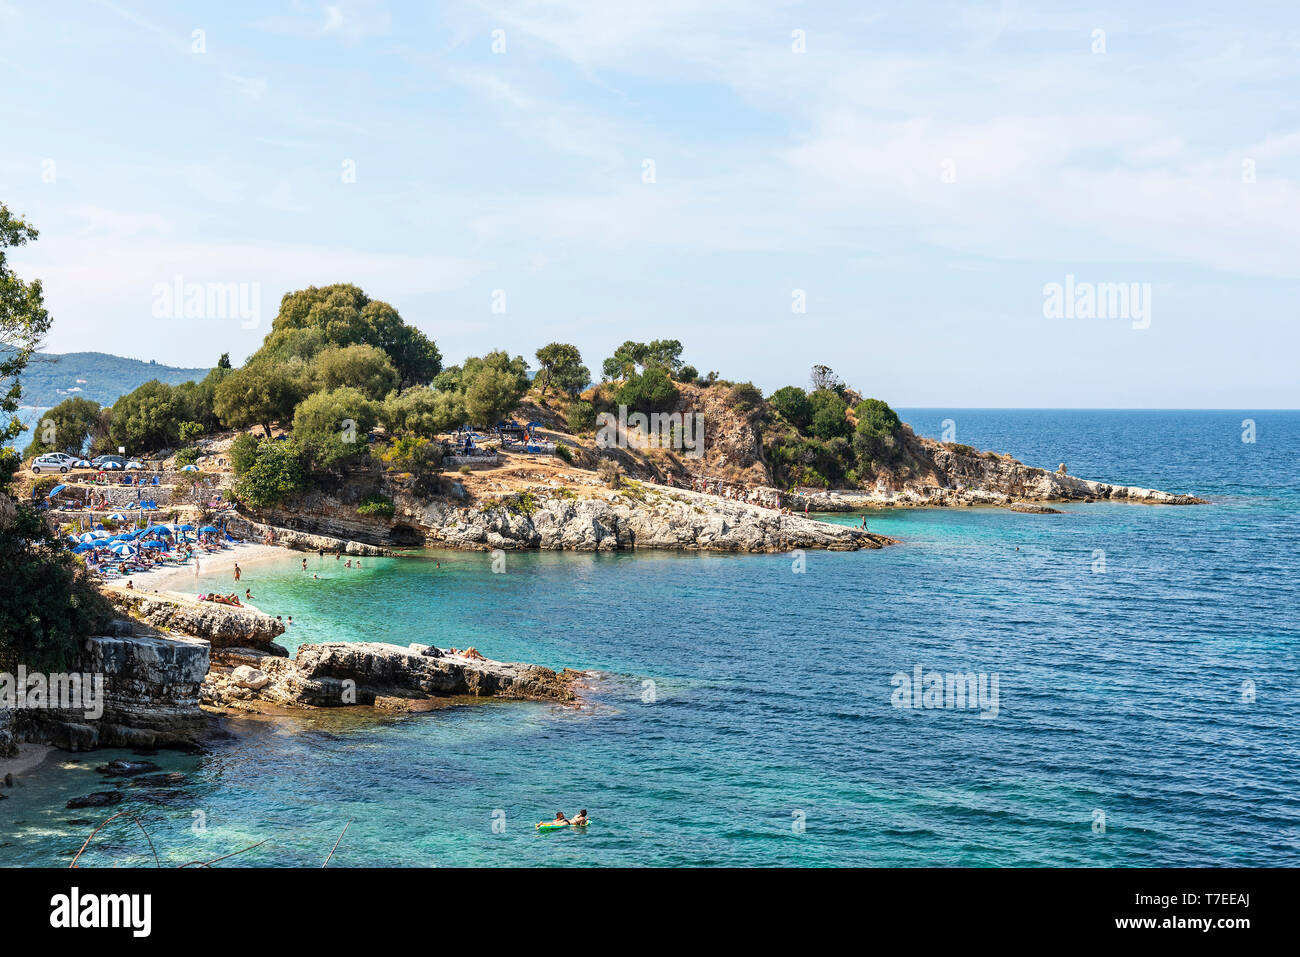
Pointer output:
1140, 670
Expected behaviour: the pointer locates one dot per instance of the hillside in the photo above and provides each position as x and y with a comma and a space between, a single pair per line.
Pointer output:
52, 377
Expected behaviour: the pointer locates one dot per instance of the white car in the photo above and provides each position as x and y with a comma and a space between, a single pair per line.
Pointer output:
52, 462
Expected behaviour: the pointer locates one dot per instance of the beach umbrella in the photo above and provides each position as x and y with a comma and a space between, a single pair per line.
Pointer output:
55, 491
190, 468
151, 545
118, 517
82, 464
87, 537
133, 464
207, 528
185, 528
111, 466
84, 547
122, 549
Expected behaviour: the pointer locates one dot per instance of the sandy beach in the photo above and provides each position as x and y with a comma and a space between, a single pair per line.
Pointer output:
181, 578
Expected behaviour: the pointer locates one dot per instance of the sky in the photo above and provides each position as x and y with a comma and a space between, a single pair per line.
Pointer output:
893, 190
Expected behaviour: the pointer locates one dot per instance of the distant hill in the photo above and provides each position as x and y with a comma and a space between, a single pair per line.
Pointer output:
50, 378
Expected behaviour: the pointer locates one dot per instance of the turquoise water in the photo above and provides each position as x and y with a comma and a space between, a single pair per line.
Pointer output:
1121, 691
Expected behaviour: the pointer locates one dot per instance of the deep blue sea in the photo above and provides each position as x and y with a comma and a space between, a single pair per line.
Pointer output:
1148, 665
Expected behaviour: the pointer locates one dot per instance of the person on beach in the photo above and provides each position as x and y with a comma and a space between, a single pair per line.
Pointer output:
237, 572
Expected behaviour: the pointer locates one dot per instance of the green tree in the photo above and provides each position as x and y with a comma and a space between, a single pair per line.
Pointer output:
224, 361
422, 411
331, 427
665, 354
363, 367
23, 322
791, 403
64, 428
275, 473
493, 385
260, 393
876, 435
828, 419
561, 365
346, 316
649, 391
581, 417
147, 419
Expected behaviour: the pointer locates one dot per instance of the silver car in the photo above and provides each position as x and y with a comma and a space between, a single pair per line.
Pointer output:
52, 462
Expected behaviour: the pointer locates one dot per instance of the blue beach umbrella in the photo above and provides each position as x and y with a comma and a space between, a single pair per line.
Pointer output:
111, 466
190, 468
118, 517
123, 549
207, 528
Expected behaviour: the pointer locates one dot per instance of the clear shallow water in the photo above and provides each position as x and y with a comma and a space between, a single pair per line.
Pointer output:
1119, 691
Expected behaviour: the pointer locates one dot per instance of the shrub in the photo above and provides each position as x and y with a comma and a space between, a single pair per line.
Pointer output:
562, 451
412, 453
187, 456
243, 452
687, 374
189, 431
791, 403
746, 396
465, 470
275, 474
378, 505
610, 472
651, 391
582, 417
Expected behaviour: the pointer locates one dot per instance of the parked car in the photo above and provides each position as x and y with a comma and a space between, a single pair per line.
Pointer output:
52, 462
99, 460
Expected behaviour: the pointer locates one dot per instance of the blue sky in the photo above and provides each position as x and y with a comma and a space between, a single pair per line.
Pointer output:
920, 171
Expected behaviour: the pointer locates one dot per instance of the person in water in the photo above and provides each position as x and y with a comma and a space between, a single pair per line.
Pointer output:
581, 817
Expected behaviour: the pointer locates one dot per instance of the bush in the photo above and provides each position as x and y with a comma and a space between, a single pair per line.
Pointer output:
687, 374
378, 505
412, 453
610, 472
828, 415
562, 451
189, 431
791, 403
582, 417
332, 427
187, 457
465, 470
651, 391
746, 396
275, 474
243, 453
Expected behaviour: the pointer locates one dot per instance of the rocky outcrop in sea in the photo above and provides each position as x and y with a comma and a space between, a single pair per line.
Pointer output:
387, 677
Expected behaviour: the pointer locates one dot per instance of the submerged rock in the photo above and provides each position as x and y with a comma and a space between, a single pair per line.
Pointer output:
116, 769
97, 799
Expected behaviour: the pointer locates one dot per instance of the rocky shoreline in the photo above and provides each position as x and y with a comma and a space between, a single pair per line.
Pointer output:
382, 676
